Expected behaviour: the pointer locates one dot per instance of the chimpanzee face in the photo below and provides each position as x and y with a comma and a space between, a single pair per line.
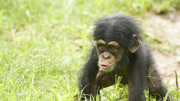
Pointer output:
109, 54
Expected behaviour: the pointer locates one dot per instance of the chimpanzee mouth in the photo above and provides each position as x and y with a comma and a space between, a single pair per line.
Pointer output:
105, 66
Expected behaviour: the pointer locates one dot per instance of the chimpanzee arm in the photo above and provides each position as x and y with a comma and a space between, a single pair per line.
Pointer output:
87, 81
136, 79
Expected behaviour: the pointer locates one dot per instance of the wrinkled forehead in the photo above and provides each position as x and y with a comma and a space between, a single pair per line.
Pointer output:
119, 39
110, 33
113, 43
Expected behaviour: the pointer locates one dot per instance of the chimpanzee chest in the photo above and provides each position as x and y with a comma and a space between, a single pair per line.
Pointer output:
123, 73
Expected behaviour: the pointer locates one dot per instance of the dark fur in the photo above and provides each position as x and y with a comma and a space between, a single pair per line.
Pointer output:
137, 69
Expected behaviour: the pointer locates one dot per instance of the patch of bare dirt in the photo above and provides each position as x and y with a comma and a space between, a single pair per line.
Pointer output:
166, 28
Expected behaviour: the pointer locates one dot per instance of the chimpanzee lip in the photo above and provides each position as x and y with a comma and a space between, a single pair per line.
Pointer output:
106, 66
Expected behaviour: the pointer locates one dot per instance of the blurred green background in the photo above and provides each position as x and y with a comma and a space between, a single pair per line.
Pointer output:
44, 43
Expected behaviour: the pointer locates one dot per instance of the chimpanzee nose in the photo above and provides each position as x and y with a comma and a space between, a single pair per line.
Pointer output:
106, 56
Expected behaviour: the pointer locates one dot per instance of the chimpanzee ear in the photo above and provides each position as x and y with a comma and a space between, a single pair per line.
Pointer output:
94, 42
135, 44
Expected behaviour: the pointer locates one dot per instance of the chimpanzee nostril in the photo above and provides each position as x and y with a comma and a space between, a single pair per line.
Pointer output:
106, 56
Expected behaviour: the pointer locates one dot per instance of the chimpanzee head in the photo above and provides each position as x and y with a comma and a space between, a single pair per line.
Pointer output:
114, 35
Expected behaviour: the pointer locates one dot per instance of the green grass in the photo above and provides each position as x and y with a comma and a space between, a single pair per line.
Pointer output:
43, 44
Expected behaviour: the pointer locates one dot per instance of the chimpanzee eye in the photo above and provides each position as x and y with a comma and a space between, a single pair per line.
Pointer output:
113, 48
102, 47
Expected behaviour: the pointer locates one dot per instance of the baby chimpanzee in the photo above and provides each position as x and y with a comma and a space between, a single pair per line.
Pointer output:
119, 50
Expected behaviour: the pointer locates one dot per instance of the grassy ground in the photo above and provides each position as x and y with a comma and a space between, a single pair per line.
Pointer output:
43, 44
